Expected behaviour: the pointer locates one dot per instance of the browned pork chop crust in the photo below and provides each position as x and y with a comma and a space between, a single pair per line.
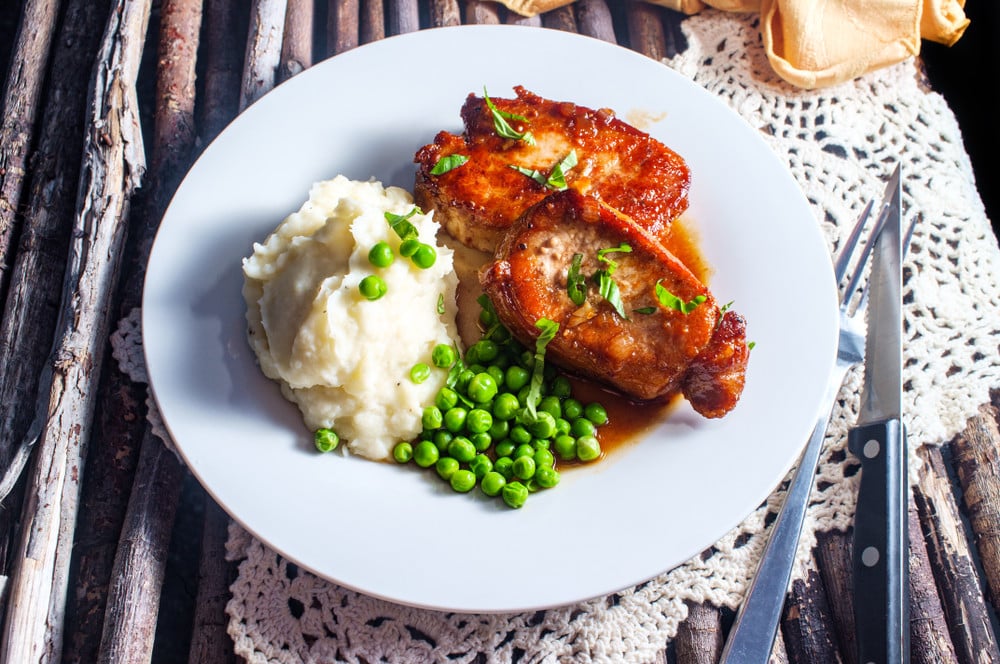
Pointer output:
645, 356
617, 163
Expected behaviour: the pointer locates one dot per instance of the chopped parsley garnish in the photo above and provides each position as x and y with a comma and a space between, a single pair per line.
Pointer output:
440, 304
645, 310
448, 163
401, 225
556, 179
576, 283
668, 299
502, 127
576, 286
549, 329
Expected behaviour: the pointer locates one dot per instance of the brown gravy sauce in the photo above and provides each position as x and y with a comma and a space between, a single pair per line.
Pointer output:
628, 420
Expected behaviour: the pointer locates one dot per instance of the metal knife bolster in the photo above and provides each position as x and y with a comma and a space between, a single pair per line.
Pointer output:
881, 613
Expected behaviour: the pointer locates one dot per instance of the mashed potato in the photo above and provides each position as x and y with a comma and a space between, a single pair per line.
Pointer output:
343, 359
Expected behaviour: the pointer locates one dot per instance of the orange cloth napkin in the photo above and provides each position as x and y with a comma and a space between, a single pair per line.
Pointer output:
815, 43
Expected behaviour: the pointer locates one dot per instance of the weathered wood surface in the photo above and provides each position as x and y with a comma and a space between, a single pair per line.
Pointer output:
246, 49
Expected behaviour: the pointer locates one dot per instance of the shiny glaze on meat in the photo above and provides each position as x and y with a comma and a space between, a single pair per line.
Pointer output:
617, 163
646, 356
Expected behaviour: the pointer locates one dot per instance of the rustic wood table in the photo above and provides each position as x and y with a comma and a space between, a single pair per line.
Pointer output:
109, 550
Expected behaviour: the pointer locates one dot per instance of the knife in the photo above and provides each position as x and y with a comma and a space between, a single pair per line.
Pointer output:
880, 558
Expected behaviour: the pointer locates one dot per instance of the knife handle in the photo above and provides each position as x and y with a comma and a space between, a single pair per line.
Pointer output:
881, 576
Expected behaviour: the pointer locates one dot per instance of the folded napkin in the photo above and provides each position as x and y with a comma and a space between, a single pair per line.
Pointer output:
814, 44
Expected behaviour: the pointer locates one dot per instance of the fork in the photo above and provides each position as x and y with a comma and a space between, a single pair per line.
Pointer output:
751, 637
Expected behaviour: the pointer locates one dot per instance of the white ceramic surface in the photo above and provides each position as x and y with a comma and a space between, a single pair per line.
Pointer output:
396, 533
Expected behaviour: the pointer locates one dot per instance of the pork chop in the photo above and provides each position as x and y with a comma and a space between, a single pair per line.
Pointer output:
502, 176
662, 333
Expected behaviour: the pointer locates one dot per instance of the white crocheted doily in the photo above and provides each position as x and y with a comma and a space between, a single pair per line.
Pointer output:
839, 143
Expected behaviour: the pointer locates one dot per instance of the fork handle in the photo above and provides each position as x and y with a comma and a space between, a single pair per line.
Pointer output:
752, 635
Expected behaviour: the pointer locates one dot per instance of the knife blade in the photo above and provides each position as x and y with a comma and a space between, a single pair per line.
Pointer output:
880, 560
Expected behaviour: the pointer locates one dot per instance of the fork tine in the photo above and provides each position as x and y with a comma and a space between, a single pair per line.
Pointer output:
859, 269
844, 258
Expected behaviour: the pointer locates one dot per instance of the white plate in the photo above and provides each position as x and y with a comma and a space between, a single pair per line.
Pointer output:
395, 533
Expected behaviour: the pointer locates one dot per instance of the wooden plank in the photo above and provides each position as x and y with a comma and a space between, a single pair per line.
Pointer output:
561, 18
954, 569
930, 642
977, 464
226, 23
699, 638
372, 21
402, 16
484, 12
594, 20
297, 39
807, 624
445, 13
21, 97
343, 26
833, 560
113, 164
210, 640
263, 51
645, 29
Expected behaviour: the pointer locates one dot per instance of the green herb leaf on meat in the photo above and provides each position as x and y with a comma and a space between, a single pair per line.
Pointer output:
668, 299
502, 127
576, 284
448, 163
549, 329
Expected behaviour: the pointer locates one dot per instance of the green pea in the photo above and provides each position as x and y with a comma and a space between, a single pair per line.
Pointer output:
454, 419
524, 467
581, 426
476, 367
402, 452
478, 421
505, 407
562, 426
420, 372
442, 437
462, 449
596, 413
487, 318
499, 429
587, 448
497, 373
443, 356
516, 377
504, 448
481, 441
514, 494
482, 388
486, 350
326, 440
372, 287
463, 481
409, 247
446, 399
480, 465
544, 425
541, 443
432, 418
465, 376
546, 477
424, 257
446, 467
492, 483
550, 405
499, 334
380, 255
426, 454
572, 409
519, 435
544, 459
503, 466
565, 447
561, 387
524, 450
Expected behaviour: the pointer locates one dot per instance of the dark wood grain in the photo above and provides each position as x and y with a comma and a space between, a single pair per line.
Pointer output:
402, 16
954, 569
562, 18
445, 13
297, 39
930, 641
210, 640
699, 638
484, 12
372, 21
343, 27
645, 29
807, 623
833, 559
977, 461
594, 20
